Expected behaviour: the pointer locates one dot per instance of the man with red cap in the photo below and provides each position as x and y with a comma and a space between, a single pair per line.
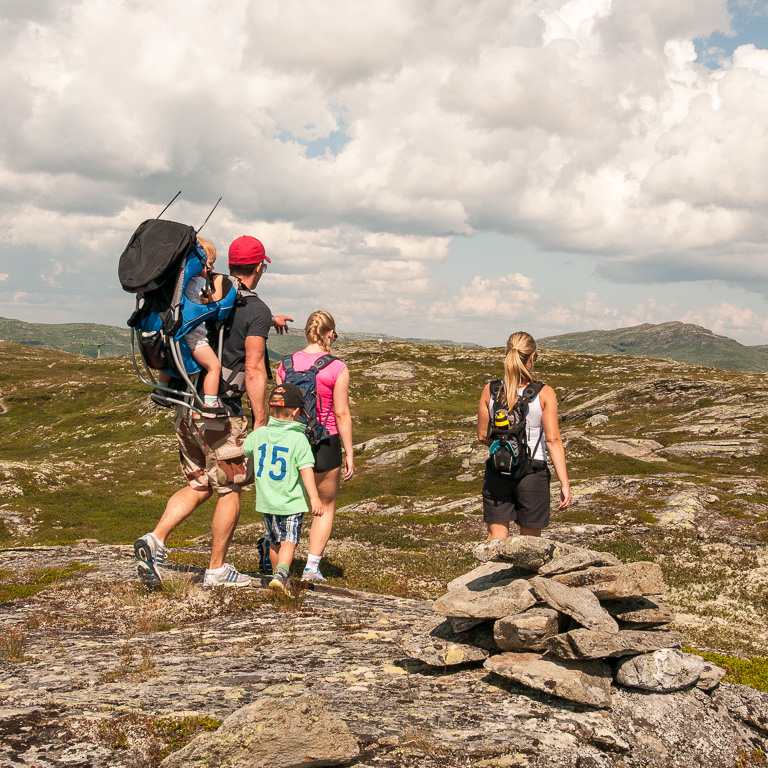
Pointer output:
211, 450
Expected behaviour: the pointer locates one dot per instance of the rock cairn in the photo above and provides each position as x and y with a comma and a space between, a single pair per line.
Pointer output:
563, 620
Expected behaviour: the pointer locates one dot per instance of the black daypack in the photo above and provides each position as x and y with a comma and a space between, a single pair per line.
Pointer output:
510, 453
306, 381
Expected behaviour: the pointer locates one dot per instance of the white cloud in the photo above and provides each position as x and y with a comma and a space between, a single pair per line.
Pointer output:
582, 125
505, 297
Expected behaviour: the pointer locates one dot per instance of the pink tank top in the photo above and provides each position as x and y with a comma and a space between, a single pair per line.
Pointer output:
326, 380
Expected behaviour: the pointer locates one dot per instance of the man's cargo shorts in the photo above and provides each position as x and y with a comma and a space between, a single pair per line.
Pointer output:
211, 452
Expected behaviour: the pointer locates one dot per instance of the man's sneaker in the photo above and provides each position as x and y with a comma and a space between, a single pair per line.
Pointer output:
151, 553
226, 576
282, 583
265, 563
311, 574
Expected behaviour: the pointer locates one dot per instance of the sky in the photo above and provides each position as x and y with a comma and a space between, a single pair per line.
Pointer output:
422, 168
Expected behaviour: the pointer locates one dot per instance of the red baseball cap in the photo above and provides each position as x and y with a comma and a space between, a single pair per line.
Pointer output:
247, 250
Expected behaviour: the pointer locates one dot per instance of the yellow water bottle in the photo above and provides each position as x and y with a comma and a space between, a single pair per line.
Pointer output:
501, 420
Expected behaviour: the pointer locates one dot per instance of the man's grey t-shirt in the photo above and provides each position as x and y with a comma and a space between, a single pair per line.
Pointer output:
253, 318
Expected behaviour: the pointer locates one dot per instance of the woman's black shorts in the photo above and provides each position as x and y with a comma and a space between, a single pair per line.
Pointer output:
327, 454
524, 501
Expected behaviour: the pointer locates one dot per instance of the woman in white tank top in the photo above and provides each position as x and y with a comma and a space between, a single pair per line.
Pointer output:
523, 500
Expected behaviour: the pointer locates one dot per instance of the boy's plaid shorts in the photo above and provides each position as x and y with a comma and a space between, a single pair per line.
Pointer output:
282, 528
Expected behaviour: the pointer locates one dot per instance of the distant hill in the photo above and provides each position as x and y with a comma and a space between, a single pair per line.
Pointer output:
109, 341
683, 342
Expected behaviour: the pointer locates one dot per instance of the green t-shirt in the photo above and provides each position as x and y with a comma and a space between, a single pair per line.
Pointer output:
279, 449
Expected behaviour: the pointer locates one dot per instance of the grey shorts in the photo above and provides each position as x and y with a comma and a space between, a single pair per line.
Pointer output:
524, 501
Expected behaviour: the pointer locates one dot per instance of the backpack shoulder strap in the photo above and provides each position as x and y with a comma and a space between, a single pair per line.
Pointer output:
496, 386
288, 363
532, 390
321, 363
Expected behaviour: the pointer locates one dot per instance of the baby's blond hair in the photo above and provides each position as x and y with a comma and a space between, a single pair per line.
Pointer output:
209, 249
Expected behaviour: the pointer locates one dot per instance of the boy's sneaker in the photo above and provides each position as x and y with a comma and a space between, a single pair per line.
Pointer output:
265, 562
311, 574
281, 583
158, 397
214, 411
226, 576
151, 553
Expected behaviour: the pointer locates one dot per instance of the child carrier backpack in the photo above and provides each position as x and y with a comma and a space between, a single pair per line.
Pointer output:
306, 381
160, 259
508, 432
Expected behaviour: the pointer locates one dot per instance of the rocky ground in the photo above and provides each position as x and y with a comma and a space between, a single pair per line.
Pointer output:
102, 668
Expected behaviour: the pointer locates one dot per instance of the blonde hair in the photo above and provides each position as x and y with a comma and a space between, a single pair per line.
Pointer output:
521, 347
319, 325
209, 249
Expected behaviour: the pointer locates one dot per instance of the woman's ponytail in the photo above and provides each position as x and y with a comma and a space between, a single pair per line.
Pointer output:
521, 346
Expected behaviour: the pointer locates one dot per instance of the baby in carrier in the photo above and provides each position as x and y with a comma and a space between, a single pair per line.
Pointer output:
204, 288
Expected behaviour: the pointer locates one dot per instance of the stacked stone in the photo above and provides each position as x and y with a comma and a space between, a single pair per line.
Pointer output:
564, 620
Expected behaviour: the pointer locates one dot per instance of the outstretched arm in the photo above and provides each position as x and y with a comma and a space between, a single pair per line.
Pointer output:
555, 447
280, 323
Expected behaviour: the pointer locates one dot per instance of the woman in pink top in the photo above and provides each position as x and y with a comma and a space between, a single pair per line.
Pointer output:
333, 411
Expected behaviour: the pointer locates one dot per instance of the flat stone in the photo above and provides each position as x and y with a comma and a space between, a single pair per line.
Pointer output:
710, 677
585, 683
630, 580
729, 449
526, 631
747, 704
579, 604
494, 603
272, 733
647, 611
587, 644
440, 646
578, 561
489, 574
459, 624
529, 552
662, 671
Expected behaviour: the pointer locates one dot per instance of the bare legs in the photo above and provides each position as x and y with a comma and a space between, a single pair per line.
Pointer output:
327, 490
501, 531
185, 501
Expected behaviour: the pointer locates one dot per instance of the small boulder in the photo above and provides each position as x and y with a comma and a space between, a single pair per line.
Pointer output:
494, 603
710, 677
647, 611
631, 580
272, 733
585, 683
487, 575
579, 604
529, 552
661, 671
526, 631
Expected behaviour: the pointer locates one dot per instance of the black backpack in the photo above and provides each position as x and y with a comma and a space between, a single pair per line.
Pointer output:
510, 454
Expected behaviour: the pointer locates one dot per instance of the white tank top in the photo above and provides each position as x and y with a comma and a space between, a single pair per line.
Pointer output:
533, 425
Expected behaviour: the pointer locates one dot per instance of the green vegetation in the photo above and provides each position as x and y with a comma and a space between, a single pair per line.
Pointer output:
12, 587
752, 672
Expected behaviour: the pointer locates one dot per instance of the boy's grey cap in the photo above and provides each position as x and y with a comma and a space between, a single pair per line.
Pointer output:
287, 395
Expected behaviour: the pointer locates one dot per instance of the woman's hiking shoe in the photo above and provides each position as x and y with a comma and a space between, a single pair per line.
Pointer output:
310, 574
226, 576
282, 583
151, 553
265, 562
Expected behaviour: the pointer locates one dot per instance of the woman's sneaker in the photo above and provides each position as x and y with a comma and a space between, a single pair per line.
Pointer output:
151, 553
282, 583
226, 576
310, 574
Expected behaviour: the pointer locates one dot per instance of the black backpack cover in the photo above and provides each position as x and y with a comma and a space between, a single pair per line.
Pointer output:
510, 453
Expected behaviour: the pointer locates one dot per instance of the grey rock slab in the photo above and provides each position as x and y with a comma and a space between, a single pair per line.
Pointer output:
439, 645
579, 604
526, 631
747, 704
648, 610
630, 580
585, 683
529, 552
494, 603
710, 676
730, 449
662, 671
578, 561
489, 574
586, 644
272, 733
459, 624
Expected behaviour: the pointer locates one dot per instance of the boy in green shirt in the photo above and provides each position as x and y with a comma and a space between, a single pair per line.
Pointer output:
283, 466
